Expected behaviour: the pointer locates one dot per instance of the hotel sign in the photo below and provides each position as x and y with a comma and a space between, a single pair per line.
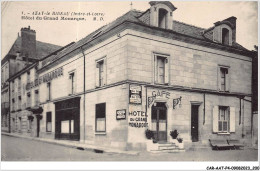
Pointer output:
45, 78
135, 94
121, 114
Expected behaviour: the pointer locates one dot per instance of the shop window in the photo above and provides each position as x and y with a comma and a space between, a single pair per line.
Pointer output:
101, 117
162, 18
161, 70
48, 91
223, 119
224, 78
48, 122
67, 126
101, 72
72, 83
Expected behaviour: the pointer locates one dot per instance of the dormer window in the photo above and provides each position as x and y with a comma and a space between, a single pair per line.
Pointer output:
162, 18
225, 36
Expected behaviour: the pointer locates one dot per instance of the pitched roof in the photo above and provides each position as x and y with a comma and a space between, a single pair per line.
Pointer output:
144, 19
42, 48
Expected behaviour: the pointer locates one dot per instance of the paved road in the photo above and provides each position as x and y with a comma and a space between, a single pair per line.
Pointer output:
19, 149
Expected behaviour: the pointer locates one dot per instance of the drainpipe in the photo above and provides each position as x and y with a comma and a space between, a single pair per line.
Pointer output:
9, 108
84, 98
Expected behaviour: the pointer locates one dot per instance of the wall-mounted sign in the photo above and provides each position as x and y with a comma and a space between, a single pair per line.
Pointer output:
121, 114
45, 78
135, 94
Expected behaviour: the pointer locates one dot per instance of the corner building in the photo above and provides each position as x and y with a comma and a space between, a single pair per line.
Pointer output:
146, 70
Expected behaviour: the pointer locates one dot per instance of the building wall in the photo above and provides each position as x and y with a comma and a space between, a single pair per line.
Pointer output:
190, 65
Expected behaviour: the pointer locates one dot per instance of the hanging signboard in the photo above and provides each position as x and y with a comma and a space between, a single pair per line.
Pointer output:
135, 94
121, 114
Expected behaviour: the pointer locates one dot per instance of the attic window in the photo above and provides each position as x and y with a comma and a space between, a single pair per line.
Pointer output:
162, 18
96, 34
225, 36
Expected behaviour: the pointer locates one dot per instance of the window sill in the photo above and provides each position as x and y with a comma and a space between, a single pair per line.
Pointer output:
100, 133
223, 133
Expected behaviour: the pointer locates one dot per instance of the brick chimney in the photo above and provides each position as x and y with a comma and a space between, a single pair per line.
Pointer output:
28, 48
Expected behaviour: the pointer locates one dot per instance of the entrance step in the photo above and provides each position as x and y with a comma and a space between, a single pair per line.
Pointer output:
167, 148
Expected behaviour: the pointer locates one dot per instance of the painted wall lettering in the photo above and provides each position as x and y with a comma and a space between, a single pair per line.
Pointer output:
138, 119
45, 78
156, 94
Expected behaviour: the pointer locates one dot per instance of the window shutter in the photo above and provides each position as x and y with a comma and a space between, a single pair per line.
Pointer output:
166, 64
155, 69
74, 83
105, 71
227, 85
97, 75
232, 120
215, 118
219, 79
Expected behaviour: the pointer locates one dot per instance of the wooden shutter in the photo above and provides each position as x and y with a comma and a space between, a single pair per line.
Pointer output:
227, 85
155, 69
215, 118
97, 74
232, 120
218, 78
166, 76
105, 71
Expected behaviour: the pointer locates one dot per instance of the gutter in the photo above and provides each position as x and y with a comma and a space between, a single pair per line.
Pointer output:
84, 94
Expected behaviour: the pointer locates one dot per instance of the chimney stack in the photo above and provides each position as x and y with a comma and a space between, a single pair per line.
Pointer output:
28, 48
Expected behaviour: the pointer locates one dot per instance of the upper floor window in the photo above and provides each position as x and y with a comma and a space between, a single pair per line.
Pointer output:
28, 100
19, 102
162, 18
224, 78
225, 36
2, 74
36, 97
12, 86
19, 83
101, 72
13, 104
161, 70
48, 91
72, 83
28, 77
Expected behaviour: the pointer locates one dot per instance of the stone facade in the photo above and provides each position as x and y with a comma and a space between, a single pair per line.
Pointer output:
107, 76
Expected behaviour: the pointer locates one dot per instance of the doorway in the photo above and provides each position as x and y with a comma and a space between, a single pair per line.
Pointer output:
159, 121
195, 123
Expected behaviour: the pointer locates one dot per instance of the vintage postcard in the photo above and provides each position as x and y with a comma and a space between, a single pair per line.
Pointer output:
138, 81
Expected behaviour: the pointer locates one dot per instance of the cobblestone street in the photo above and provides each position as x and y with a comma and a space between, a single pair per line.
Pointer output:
20, 149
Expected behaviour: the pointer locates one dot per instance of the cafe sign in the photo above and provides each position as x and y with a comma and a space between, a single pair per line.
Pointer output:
135, 94
45, 78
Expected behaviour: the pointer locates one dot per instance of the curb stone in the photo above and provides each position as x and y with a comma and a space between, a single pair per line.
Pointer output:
85, 147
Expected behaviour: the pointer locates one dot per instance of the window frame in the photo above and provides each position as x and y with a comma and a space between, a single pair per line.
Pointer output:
72, 82
227, 78
166, 61
97, 118
48, 121
48, 91
102, 60
226, 110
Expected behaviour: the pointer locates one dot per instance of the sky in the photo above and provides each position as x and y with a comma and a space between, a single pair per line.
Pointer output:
202, 14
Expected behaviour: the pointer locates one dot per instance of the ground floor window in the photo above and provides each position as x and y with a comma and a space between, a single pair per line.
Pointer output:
48, 122
67, 126
101, 117
223, 119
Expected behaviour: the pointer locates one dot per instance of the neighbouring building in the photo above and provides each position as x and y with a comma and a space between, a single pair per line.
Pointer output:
24, 51
144, 70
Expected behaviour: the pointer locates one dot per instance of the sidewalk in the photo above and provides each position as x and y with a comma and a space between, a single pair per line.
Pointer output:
75, 144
